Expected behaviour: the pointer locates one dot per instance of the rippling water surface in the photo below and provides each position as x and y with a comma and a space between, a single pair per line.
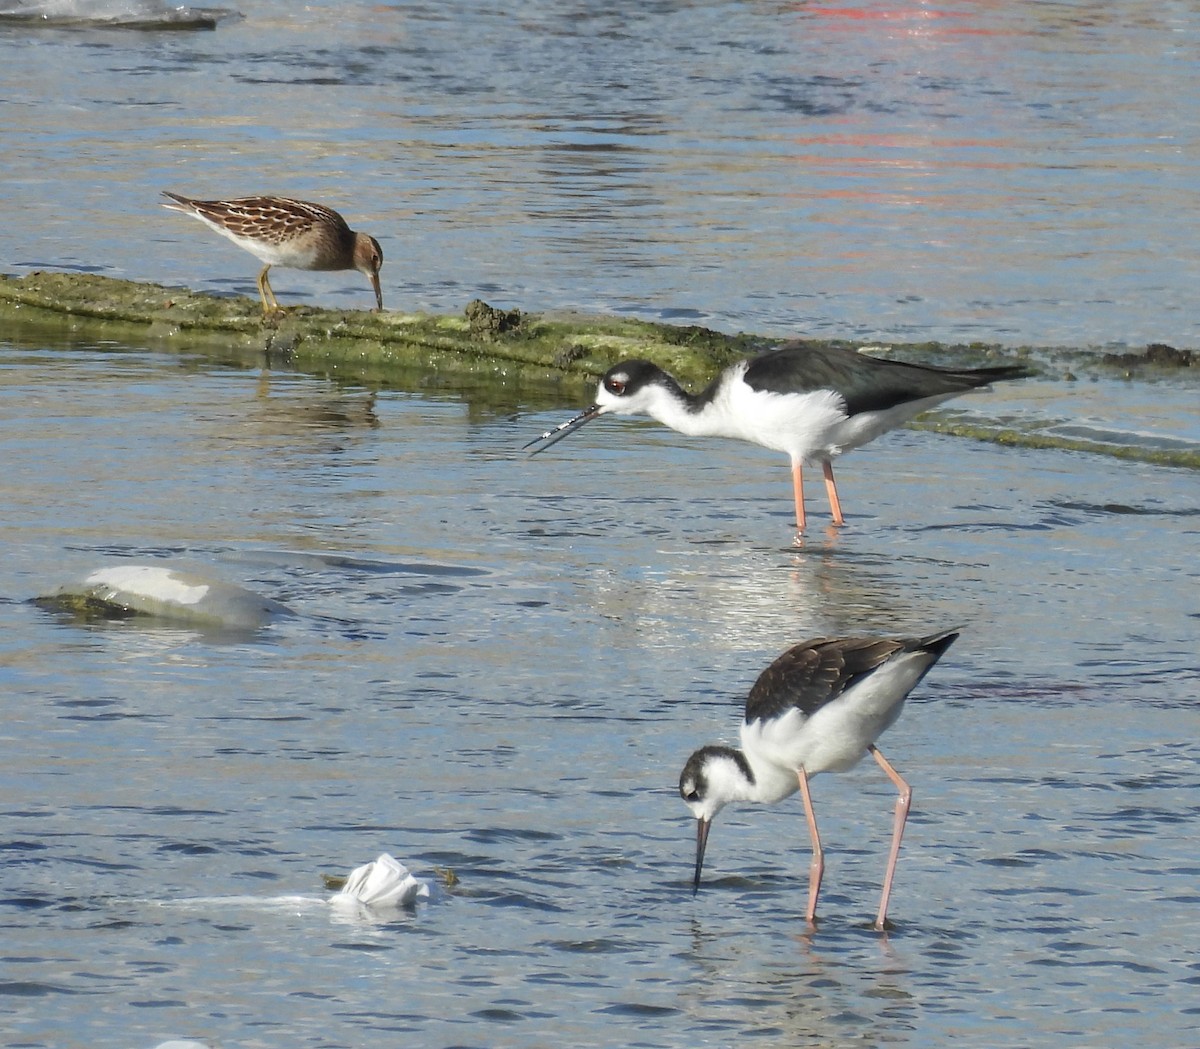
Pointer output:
1016, 172
497, 665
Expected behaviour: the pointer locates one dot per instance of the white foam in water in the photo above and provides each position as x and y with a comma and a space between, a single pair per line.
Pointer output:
183, 1043
370, 893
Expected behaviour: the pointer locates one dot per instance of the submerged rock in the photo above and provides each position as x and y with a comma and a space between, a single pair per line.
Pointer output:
125, 591
1157, 354
117, 14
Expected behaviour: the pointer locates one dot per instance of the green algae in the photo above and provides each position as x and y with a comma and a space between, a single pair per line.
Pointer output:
84, 608
349, 341
496, 351
1036, 437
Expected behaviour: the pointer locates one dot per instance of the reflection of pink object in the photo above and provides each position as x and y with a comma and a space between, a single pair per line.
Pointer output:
871, 14
385, 882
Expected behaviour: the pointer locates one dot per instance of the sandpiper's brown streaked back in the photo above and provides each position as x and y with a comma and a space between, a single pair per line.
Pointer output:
282, 231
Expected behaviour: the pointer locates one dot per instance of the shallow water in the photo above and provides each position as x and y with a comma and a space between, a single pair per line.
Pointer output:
498, 665
1005, 172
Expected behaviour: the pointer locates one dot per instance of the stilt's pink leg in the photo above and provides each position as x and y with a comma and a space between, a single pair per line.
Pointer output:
817, 870
835, 504
902, 806
798, 492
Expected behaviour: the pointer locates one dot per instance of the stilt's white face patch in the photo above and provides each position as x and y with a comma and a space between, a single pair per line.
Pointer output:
689, 788
711, 779
611, 397
614, 386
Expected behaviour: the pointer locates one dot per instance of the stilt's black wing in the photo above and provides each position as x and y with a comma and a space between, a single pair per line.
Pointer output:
868, 384
811, 674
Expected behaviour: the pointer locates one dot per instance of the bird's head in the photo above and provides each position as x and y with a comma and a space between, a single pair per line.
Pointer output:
628, 388
368, 260
632, 388
712, 777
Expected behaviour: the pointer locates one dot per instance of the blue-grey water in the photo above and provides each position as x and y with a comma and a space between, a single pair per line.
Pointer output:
1017, 172
497, 665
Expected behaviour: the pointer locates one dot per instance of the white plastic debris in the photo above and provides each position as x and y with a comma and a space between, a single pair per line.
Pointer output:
170, 592
382, 883
134, 14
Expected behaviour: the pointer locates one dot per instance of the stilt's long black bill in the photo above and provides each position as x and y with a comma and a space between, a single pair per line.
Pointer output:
561, 431
702, 829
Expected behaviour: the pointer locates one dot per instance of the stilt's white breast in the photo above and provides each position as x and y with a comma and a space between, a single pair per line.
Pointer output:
803, 425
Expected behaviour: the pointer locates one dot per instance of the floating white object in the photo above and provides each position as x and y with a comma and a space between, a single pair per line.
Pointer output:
384, 882
176, 594
151, 582
129, 14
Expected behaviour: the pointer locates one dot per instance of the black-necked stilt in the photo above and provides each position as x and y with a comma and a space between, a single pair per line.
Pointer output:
818, 708
812, 402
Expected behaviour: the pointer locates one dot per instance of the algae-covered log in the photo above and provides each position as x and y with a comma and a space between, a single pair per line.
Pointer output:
500, 358
484, 339
355, 342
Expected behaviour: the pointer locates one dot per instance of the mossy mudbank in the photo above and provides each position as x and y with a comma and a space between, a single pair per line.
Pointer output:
484, 339
497, 352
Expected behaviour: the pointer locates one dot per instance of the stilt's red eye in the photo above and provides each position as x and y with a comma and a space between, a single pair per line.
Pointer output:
615, 386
